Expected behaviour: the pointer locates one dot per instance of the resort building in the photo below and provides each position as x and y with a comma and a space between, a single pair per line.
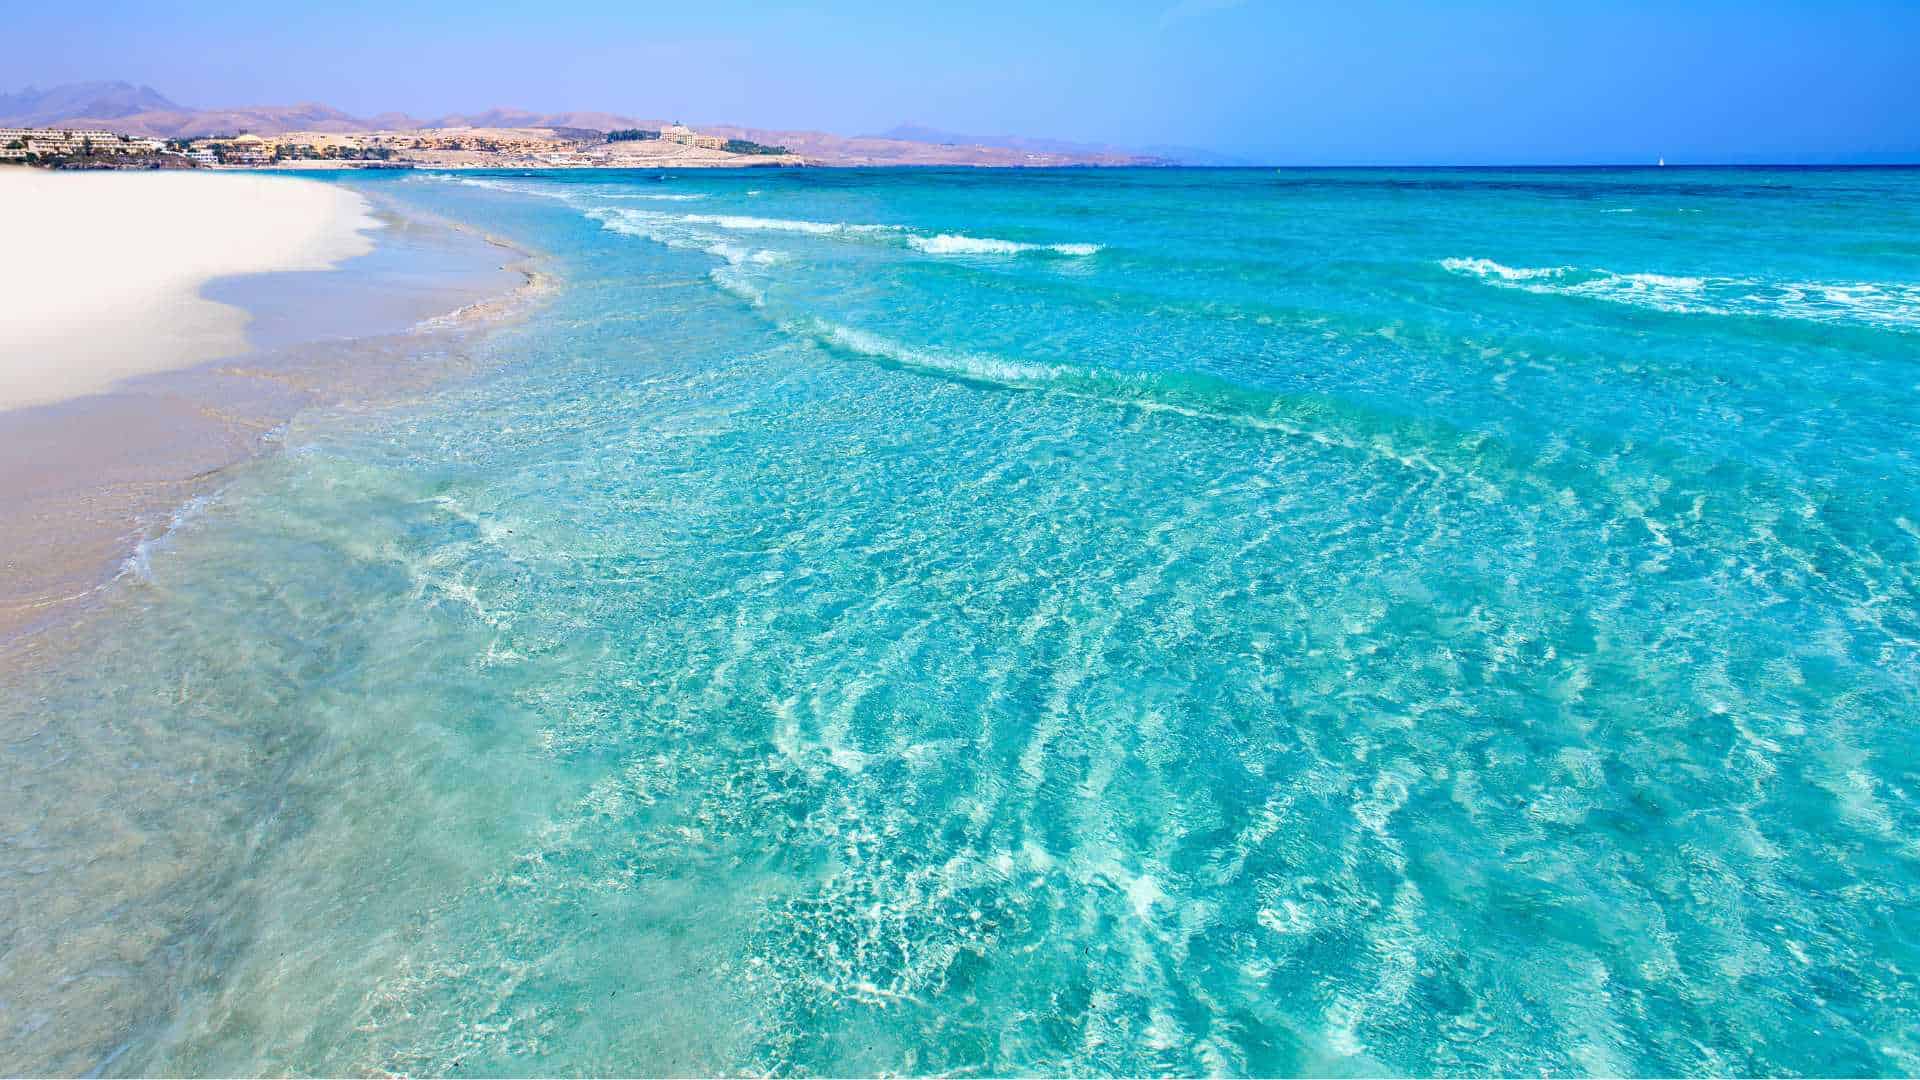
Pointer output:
245, 150
65, 142
686, 136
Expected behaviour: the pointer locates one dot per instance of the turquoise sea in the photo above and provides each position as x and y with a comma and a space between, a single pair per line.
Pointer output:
1161, 621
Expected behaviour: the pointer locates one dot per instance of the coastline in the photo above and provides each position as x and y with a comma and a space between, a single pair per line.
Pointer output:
349, 317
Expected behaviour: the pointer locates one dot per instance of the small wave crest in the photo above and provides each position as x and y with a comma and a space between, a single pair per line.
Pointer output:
974, 366
1887, 305
957, 244
490, 184
1189, 395
139, 562
1488, 268
746, 223
648, 223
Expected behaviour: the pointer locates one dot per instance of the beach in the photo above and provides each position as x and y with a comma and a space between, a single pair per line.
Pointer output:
1054, 622
160, 325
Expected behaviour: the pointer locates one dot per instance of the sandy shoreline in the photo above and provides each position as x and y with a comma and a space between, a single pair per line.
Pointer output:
119, 403
103, 272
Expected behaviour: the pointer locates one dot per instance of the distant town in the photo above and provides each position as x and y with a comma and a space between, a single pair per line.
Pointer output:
121, 125
672, 145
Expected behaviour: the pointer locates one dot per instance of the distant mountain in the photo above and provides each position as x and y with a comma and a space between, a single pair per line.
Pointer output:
260, 120
101, 100
521, 118
140, 110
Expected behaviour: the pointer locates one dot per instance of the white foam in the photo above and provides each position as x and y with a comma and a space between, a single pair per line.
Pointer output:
1887, 305
1489, 268
957, 244
1661, 281
674, 229
746, 223
968, 365
496, 185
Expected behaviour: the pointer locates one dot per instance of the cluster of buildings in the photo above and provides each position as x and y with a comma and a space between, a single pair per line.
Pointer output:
22, 144
17, 143
239, 150
457, 147
481, 140
686, 136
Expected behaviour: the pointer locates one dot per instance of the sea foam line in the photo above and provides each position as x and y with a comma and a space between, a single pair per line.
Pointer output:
957, 244
1189, 396
938, 244
1886, 305
747, 223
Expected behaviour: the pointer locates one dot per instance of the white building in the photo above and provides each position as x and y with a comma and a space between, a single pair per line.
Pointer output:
686, 136
64, 141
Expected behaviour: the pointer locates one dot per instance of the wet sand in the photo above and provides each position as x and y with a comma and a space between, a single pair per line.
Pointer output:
84, 481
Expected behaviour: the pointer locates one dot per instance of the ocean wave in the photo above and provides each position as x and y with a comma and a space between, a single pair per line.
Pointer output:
735, 275
1187, 395
957, 244
663, 229
547, 191
690, 196
1489, 268
1886, 305
975, 366
939, 244
491, 184
139, 562
745, 223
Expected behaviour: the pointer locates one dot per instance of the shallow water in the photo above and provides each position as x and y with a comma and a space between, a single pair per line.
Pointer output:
1132, 621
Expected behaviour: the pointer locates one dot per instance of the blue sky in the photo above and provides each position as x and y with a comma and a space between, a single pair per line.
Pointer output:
1360, 82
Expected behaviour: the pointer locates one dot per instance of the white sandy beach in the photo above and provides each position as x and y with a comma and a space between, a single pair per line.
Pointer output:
103, 271
117, 398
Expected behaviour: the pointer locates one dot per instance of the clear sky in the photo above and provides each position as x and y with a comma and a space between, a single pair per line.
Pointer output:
1361, 81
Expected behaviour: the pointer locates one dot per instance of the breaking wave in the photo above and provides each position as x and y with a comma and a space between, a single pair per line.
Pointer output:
1189, 395
974, 366
639, 222
1887, 305
956, 244
745, 223
652, 223
491, 184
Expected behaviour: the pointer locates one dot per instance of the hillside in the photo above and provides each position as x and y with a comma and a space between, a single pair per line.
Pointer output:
104, 100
